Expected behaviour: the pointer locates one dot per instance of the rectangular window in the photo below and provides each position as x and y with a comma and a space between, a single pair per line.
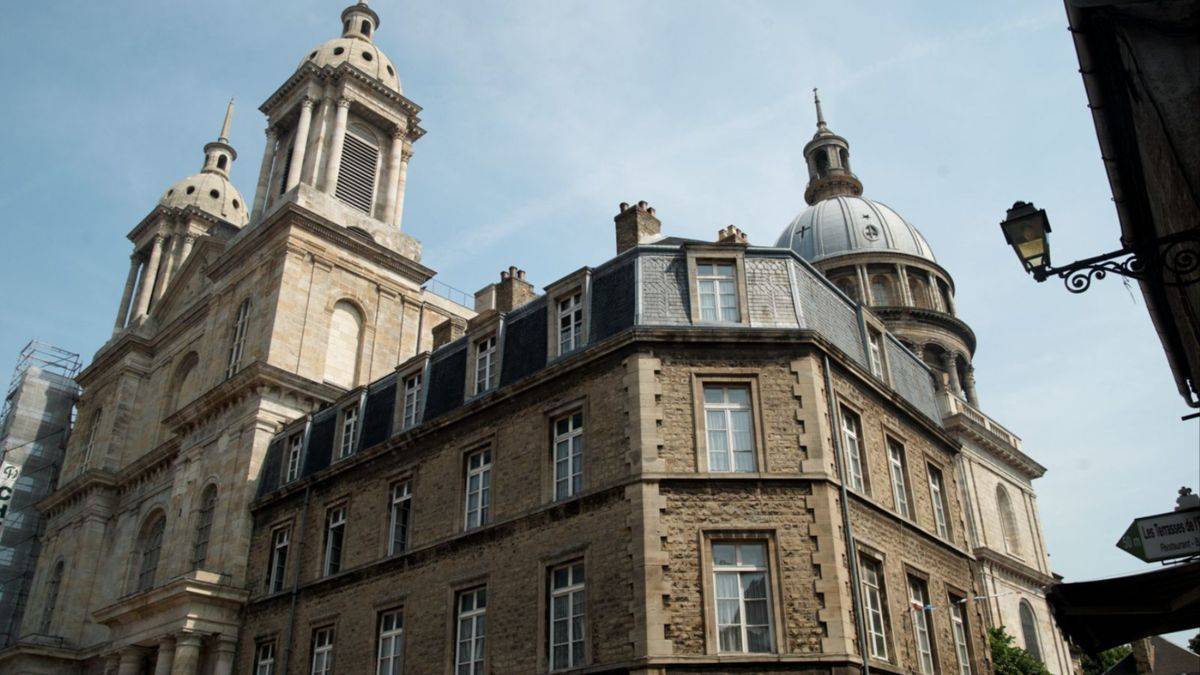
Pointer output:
873, 599
349, 439
742, 585
264, 659
568, 455
322, 651
958, 622
729, 428
391, 644
412, 401
485, 364
567, 615
472, 631
918, 598
93, 431
479, 484
852, 440
937, 495
401, 517
295, 448
238, 343
570, 324
718, 291
899, 485
335, 536
875, 341
279, 553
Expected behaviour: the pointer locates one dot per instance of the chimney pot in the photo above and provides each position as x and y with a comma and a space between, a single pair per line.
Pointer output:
636, 225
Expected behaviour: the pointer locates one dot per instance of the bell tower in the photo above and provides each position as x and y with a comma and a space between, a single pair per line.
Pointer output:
339, 137
828, 157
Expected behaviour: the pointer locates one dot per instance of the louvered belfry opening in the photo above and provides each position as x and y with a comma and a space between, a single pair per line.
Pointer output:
356, 179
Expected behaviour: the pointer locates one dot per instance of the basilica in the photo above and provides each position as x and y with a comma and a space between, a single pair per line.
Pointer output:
694, 456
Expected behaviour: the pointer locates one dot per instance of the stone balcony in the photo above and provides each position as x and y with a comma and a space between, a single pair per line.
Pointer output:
964, 419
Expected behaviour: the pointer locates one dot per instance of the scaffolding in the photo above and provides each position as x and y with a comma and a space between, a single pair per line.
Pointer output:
42, 355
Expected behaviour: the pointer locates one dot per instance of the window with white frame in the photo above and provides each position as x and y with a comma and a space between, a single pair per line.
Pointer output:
349, 439
391, 643
335, 536
279, 554
918, 598
412, 401
729, 427
478, 488
568, 612
852, 446
742, 584
295, 449
470, 636
937, 495
322, 651
570, 323
485, 364
873, 599
400, 517
568, 455
717, 285
875, 342
238, 342
958, 623
264, 659
899, 484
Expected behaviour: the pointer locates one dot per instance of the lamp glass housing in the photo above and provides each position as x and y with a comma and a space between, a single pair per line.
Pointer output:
1026, 229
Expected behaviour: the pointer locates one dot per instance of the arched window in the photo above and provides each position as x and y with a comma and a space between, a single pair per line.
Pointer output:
52, 587
847, 286
882, 293
822, 164
222, 161
359, 170
183, 381
920, 292
204, 521
238, 338
845, 157
345, 338
1029, 631
1008, 521
366, 28
149, 548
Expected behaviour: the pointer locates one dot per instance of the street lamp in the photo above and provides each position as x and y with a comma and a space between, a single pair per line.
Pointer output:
1173, 259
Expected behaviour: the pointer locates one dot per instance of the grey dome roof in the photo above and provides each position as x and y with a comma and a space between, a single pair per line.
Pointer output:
199, 191
845, 225
361, 54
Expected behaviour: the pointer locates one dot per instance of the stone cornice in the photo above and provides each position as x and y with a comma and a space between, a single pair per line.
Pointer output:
74, 490
200, 586
172, 213
929, 316
961, 421
148, 466
111, 353
884, 256
308, 71
1013, 566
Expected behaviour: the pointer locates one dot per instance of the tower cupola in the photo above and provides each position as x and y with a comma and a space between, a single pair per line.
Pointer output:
828, 158
219, 154
359, 21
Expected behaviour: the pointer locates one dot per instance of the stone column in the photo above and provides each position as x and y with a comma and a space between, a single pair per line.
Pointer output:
149, 274
300, 143
226, 649
188, 240
333, 165
264, 175
131, 661
316, 162
906, 297
969, 386
400, 180
393, 176
187, 654
166, 655
169, 265
949, 362
160, 271
127, 294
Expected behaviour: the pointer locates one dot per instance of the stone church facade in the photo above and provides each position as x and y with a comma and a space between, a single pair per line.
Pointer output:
695, 456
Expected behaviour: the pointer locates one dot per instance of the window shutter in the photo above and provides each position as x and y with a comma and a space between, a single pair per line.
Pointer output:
356, 179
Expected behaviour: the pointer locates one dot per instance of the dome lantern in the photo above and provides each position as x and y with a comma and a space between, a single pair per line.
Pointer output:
828, 158
359, 21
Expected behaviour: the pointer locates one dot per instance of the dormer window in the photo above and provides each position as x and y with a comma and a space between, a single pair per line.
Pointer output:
485, 364
570, 323
717, 285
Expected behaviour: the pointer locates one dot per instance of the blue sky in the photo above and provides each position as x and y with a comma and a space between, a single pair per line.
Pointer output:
543, 115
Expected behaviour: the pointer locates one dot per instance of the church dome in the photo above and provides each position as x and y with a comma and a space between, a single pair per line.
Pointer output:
359, 53
210, 192
847, 224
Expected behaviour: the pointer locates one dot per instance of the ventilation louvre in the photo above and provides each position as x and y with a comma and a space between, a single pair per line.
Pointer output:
356, 179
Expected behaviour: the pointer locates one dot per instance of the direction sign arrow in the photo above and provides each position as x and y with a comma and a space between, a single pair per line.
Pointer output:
1164, 536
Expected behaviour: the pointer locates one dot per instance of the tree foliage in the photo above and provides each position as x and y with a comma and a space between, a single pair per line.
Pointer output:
1095, 665
1009, 659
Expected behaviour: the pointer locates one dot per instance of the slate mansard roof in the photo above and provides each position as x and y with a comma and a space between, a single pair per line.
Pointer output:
646, 286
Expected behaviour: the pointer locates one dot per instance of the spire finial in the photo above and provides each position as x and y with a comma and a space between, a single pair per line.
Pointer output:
820, 115
224, 137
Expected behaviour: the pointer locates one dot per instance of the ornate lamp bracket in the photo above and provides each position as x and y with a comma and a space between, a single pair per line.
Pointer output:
1173, 259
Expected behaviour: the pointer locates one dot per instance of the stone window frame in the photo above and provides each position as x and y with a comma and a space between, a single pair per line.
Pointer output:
871, 326
843, 403
551, 413
342, 502
953, 592
891, 434
748, 534
393, 481
891, 636
419, 366
261, 641
493, 326
289, 433
747, 377
911, 571
454, 588
288, 525
485, 442
722, 253
545, 565
390, 608
577, 282
329, 623
359, 404
930, 462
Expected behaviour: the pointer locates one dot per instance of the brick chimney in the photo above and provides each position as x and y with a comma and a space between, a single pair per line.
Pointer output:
512, 292
448, 331
731, 235
636, 224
